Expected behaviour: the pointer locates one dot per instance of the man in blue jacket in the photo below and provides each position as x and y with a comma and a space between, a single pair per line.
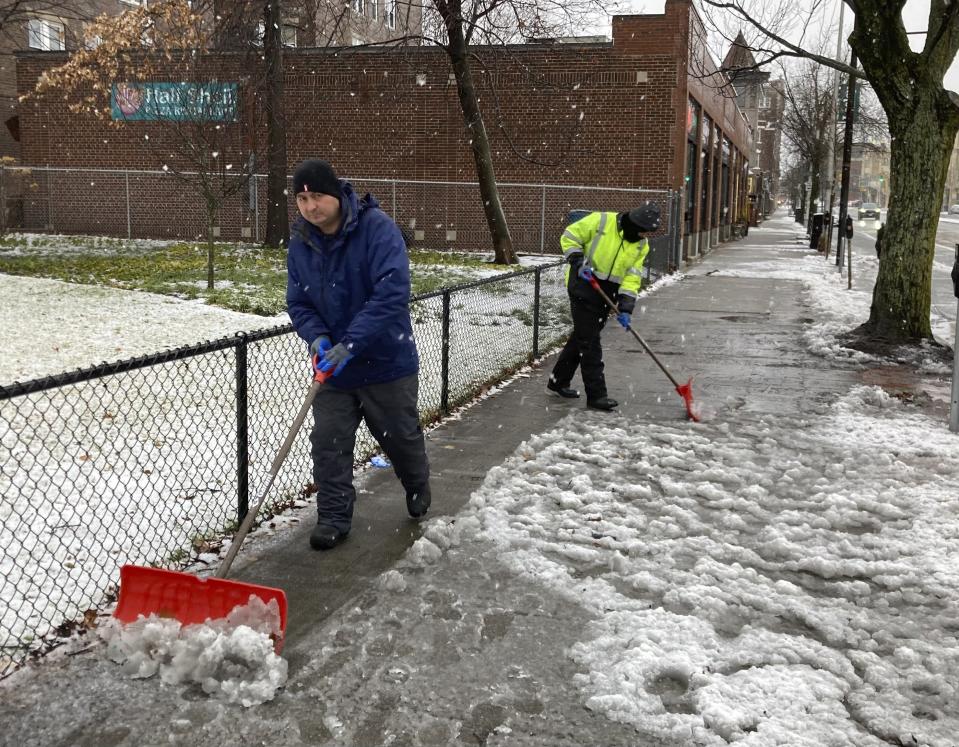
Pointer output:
348, 293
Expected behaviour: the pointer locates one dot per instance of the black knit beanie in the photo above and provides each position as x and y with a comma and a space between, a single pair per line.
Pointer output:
316, 176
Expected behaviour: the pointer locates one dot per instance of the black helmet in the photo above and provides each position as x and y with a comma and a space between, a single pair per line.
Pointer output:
645, 218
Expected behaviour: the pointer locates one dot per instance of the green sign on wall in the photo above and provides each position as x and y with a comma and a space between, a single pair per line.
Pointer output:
183, 102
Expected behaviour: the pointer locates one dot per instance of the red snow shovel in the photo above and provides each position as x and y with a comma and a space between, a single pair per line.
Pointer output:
683, 390
191, 599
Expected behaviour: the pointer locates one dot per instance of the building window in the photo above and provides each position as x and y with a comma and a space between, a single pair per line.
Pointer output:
287, 35
357, 6
763, 98
45, 35
374, 9
389, 14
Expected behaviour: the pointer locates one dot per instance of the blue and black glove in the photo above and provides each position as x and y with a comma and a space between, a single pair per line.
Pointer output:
319, 346
624, 319
335, 359
584, 272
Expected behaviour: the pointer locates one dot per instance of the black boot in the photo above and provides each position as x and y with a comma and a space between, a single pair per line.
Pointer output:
418, 502
325, 537
603, 403
563, 391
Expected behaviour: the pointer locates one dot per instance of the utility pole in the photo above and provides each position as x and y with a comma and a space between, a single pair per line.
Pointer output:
831, 165
846, 159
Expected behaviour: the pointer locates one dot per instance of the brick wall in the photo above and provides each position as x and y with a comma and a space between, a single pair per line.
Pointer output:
606, 115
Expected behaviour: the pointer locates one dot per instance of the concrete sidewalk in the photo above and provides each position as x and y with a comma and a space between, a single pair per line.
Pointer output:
740, 338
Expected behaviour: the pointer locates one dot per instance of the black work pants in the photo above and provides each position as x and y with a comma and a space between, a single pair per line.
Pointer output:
584, 348
390, 413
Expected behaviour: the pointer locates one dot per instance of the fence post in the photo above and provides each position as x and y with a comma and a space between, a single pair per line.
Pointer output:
536, 298
49, 203
3, 199
242, 432
129, 222
256, 209
395, 212
445, 356
680, 226
542, 225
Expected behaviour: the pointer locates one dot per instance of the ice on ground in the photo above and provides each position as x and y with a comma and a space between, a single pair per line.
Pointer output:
780, 581
232, 659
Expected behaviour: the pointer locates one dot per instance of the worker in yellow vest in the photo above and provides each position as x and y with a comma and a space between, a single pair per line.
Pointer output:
611, 247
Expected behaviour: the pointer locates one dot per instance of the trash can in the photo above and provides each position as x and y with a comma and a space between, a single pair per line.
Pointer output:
800, 215
818, 219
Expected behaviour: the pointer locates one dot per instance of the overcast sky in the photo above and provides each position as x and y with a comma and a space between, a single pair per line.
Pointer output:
916, 16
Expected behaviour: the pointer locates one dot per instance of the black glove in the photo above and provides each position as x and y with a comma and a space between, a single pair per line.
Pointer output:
625, 304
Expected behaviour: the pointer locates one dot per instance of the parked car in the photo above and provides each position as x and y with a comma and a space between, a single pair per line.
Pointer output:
869, 211
954, 210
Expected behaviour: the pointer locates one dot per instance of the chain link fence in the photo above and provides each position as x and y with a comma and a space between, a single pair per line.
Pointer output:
150, 460
433, 215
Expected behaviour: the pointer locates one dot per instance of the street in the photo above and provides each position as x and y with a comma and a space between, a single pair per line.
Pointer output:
943, 311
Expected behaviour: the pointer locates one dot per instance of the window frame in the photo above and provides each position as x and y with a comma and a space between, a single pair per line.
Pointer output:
41, 29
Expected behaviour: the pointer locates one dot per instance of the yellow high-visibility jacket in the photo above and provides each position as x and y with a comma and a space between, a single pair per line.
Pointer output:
607, 253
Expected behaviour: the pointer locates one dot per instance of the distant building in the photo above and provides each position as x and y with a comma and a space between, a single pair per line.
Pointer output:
762, 101
869, 173
950, 194
57, 25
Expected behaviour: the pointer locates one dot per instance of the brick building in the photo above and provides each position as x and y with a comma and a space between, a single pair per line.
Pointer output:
629, 113
46, 25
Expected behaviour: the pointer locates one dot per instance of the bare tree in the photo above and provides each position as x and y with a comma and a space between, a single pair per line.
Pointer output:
808, 118
455, 26
277, 215
923, 121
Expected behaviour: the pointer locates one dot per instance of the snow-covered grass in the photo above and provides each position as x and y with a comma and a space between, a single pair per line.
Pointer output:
249, 278
140, 467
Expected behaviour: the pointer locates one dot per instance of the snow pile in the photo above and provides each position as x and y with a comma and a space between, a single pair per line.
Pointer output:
782, 581
232, 659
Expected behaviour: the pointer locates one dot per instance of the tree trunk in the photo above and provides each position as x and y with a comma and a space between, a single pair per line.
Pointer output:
277, 220
479, 142
922, 142
210, 251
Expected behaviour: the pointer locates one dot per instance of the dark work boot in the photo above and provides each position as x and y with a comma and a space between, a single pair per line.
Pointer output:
563, 391
418, 502
603, 403
325, 537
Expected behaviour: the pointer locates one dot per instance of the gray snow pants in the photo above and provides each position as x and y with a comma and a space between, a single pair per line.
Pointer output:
389, 410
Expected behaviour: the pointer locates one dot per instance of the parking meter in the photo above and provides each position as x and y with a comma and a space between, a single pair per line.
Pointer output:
849, 227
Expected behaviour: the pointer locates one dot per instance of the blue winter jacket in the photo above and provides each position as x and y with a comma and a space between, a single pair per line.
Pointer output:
355, 288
